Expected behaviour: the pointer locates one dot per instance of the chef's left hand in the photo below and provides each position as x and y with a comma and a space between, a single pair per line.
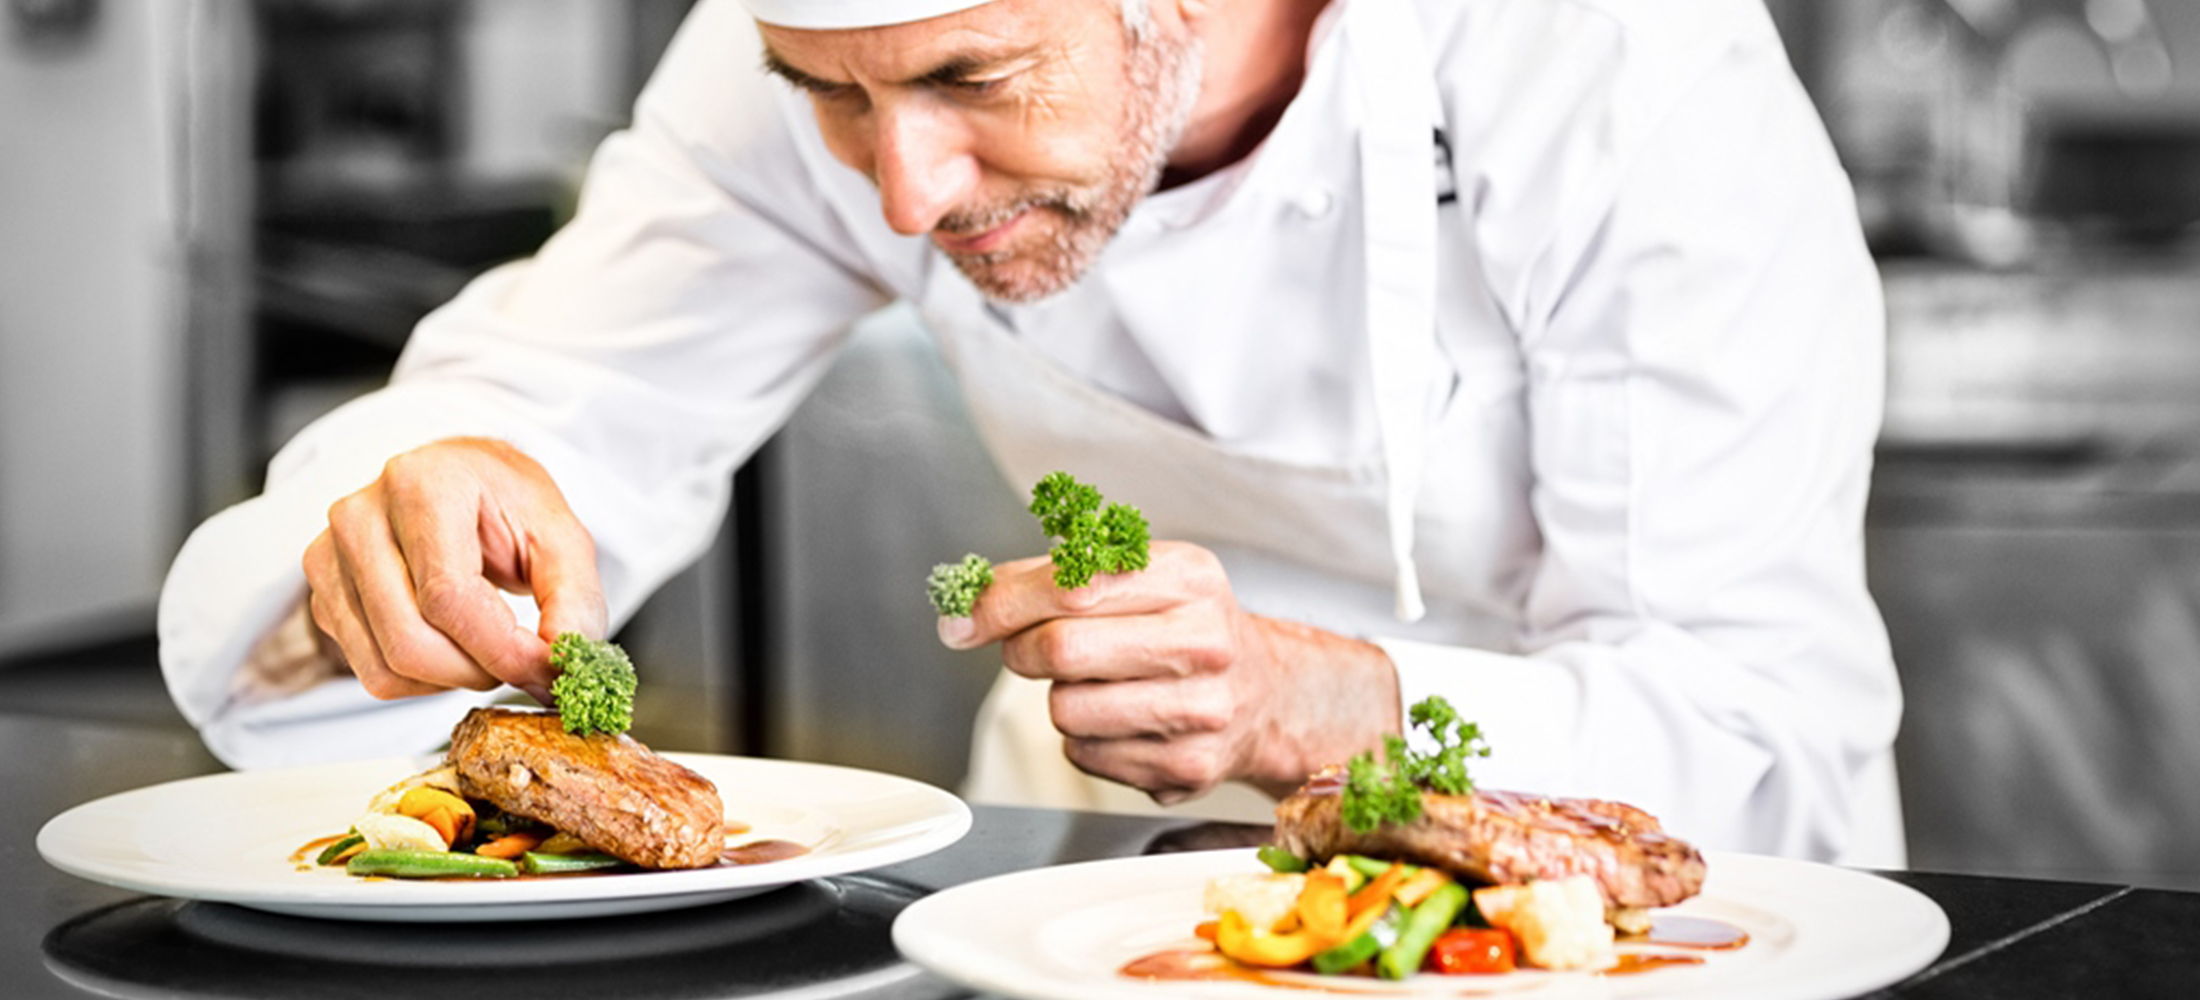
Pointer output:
1161, 682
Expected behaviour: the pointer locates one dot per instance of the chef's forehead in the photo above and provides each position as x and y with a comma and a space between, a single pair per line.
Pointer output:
831, 14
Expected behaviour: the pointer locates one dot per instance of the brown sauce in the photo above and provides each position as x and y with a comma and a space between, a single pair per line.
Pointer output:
1200, 965
1636, 962
1692, 932
1204, 964
1181, 965
762, 851
312, 849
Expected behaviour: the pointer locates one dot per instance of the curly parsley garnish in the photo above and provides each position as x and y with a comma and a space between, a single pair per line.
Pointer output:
594, 691
1390, 791
1094, 538
954, 587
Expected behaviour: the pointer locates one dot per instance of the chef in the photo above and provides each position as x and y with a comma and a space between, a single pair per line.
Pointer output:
1520, 351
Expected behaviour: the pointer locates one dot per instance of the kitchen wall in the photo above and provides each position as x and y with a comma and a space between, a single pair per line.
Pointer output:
91, 307
2029, 171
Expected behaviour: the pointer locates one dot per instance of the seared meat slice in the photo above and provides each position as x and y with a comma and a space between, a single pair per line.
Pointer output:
612, 792
1506, 838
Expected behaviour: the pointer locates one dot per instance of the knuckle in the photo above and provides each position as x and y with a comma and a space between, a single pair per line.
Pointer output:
1207, 711
1066, 708
1210, 652
1058, 649
446, 600
317, 604
1080, 600
1191, 765
1082, 754
348, 510
383, 687
408, 465
407, 649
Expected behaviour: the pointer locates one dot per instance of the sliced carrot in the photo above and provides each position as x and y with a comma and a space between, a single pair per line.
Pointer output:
1377, 891
510, 846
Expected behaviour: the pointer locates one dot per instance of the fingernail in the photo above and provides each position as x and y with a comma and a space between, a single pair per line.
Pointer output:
538, 692
958, 633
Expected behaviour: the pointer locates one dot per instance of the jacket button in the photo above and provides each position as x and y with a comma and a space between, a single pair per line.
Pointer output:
1317, 203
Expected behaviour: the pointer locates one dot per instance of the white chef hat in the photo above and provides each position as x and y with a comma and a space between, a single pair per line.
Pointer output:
851, 13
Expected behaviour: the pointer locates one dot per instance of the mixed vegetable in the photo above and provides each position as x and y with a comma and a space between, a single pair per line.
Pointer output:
423, 827
1357, 915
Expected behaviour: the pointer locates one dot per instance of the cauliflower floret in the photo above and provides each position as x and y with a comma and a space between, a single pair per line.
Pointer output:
391, 832
1560, 922
1261, 899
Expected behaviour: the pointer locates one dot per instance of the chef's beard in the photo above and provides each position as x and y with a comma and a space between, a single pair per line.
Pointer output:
1163, 78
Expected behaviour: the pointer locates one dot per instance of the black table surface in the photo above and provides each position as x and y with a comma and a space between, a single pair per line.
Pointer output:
64, 937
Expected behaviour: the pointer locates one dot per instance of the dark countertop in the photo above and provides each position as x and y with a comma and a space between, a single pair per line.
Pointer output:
64, 937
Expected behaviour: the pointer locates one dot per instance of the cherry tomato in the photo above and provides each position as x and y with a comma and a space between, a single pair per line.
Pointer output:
1470, 950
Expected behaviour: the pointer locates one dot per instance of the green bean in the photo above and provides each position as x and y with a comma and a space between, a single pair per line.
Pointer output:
537, 863
1421, 928
429, 864
1349, 955
336, 850
1279, 860
1370, 867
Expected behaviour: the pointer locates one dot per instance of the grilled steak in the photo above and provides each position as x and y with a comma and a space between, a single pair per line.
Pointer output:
610, 791
1506, 838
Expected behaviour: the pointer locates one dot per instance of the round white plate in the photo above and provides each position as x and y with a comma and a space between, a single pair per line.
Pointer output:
231, 838
1064, 933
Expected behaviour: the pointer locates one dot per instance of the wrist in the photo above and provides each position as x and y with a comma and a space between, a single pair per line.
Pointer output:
1340, 699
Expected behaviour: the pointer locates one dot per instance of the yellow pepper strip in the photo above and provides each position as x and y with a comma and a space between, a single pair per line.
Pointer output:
1321, 905
1415, 889
1373, 895
452, 818
1238, 939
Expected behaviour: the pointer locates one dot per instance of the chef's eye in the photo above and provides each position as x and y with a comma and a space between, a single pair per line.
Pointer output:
978, 87
839, 96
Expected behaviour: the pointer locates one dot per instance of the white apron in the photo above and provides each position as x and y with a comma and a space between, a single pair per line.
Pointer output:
1359, 516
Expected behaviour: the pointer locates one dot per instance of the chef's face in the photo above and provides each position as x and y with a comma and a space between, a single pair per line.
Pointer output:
1018, 134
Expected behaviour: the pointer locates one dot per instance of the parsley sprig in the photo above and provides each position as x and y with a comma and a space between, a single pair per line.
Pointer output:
1389, 791
1094, 539
954, 587
594, 690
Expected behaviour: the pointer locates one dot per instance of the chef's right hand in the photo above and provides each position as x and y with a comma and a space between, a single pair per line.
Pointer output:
406, 579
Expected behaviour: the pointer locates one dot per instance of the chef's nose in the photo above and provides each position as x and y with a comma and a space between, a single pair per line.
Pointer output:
923, 164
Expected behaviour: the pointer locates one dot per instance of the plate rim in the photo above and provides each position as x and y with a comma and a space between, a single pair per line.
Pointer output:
943, 819
1006, 969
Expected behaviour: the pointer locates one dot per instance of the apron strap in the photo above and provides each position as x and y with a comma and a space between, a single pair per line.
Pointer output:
1398, 113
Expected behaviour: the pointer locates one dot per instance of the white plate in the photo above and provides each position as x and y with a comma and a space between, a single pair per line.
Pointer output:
231, 838
1063, 933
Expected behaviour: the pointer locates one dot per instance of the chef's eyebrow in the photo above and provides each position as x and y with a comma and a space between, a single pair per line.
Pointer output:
787, 71
955, 69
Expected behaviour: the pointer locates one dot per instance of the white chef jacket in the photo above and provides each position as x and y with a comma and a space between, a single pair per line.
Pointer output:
1655, 386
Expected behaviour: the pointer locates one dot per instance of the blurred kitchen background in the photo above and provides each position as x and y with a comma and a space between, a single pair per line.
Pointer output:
219, 218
